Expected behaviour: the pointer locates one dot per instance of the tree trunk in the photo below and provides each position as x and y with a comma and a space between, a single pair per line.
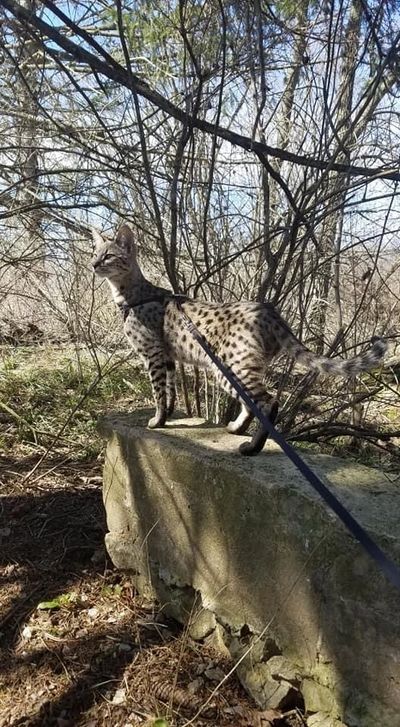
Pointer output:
28, 89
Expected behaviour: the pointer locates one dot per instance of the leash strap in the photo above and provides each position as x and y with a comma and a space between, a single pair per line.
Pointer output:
391, 571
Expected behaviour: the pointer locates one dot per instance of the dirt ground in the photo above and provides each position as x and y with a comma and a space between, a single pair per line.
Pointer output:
78, 646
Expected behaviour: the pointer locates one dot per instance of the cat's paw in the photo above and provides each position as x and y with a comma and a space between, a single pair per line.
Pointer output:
234, 428
248, 449
156, 422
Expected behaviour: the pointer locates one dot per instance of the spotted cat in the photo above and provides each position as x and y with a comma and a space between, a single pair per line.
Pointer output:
245, 336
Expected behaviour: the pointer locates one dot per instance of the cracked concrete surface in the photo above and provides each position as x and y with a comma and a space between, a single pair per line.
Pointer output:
244, 552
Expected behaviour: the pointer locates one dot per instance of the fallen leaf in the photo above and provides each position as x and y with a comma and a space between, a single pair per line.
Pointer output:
65, 599
124, 647
214, 674
195, 685
269, 716
119, 697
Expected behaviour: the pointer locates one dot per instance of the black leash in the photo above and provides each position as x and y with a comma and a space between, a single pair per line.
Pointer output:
391, 571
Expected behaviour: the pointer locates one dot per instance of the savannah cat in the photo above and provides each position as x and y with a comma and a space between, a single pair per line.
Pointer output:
244, 335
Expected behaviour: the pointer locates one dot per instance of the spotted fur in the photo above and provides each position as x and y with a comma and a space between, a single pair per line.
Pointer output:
245, 335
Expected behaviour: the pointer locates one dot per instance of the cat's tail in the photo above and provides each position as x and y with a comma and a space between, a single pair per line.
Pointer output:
337, 367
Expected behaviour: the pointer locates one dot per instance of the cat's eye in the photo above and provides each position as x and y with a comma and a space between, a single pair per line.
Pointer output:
109, 256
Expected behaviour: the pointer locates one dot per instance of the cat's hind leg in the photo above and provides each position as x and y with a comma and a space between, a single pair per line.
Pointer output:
270, 409
242, 421
255, 387
171, 387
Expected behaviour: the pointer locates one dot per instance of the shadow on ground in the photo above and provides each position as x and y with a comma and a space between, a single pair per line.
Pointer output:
55, 658
95, 653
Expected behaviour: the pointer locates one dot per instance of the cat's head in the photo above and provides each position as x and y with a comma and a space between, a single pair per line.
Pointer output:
114, 259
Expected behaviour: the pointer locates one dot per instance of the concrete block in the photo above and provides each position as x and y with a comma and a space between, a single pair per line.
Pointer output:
247, 540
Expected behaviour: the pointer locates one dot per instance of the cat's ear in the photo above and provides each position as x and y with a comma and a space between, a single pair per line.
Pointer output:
98, 240
125, 239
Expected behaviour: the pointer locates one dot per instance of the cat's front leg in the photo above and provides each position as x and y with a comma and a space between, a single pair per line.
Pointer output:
157, 370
